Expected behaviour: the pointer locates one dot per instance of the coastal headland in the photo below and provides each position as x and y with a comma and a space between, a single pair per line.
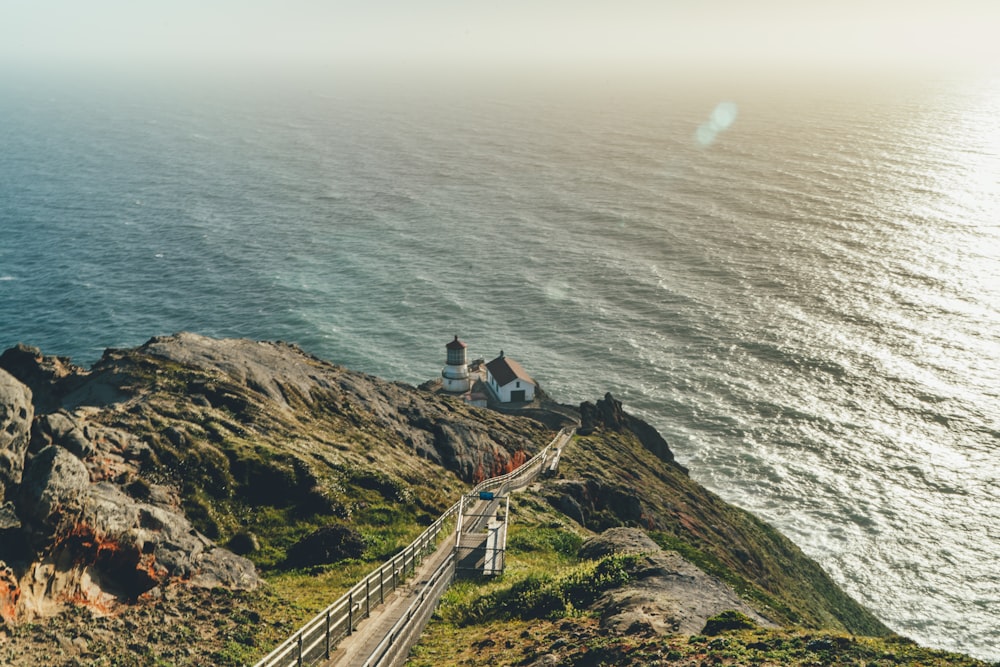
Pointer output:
192, 501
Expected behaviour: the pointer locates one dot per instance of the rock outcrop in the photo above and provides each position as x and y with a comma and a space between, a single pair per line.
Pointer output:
252, 376
16, 413
597, 505
70, 533
608, 414
669, 594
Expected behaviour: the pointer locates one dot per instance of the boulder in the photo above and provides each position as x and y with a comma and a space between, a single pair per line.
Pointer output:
46, 376
669, 594
61, 429
326, 545
16, 413
52, 490
618, 540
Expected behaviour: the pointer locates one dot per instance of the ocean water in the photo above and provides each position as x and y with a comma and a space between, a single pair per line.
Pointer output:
799, 287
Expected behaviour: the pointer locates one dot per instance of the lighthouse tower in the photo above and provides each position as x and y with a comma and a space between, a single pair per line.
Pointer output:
455, 375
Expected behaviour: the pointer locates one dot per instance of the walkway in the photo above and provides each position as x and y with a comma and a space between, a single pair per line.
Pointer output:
355, 649
357, 633
363, 646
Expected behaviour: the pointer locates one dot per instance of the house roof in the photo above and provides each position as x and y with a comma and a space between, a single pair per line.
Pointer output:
505, 370
456, 344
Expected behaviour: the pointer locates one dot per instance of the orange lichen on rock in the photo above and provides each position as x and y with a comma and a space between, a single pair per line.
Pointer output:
500, 465
518, 459
101, 604
124, 566
10, 593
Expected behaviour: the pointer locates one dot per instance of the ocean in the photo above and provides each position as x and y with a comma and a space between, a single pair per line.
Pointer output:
798, 286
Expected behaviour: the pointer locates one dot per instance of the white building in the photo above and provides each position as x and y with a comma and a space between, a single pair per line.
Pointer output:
509, 381
455, 375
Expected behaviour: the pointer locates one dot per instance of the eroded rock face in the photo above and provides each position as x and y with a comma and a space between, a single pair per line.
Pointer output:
75, 536
62, 428
53, 490
669, 595
16, 413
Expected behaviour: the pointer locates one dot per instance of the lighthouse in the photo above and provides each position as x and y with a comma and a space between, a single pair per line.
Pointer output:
455, 375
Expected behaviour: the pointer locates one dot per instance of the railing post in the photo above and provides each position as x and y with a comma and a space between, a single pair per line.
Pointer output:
381, 586
368, 597
350, 612
327, 653
299, 661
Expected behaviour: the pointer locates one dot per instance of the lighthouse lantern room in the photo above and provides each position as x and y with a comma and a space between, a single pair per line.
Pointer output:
455, 375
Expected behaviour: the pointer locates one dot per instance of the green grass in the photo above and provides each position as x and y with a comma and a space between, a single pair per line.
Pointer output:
538, 594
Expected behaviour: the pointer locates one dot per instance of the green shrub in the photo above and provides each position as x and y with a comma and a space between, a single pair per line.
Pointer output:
544, 596
559, 540
727, 620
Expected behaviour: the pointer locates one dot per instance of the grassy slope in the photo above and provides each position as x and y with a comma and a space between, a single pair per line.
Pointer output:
474, 625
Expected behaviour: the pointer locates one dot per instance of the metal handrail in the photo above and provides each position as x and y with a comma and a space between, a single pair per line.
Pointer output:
390, 639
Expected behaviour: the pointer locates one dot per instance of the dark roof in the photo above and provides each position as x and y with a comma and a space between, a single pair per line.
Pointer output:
505, 370
456, 344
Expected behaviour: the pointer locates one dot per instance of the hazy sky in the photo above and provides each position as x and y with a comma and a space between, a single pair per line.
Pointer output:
526, 33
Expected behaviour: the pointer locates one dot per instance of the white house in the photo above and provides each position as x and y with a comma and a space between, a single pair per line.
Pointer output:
509, 381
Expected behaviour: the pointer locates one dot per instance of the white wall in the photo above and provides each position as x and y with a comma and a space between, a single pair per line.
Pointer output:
503, 393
